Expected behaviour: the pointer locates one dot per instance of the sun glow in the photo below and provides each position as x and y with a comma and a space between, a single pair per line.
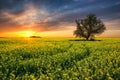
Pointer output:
26, 33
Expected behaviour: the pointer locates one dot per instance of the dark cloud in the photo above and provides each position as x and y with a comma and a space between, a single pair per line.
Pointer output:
51, 26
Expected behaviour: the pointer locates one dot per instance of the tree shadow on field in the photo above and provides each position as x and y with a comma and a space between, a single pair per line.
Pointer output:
83, 40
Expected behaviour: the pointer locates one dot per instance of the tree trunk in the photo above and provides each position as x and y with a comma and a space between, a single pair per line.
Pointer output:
87, 38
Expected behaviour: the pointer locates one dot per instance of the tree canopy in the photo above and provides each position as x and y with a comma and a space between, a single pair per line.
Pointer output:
89, 27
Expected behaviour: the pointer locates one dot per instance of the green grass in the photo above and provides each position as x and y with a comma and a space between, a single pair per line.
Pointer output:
59, 59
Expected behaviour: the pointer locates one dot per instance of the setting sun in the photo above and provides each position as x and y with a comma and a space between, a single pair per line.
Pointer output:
26, 33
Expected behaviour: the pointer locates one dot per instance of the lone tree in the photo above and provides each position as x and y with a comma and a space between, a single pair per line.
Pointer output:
89, 27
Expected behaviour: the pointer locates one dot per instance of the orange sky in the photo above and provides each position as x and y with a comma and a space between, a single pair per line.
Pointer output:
63, 33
